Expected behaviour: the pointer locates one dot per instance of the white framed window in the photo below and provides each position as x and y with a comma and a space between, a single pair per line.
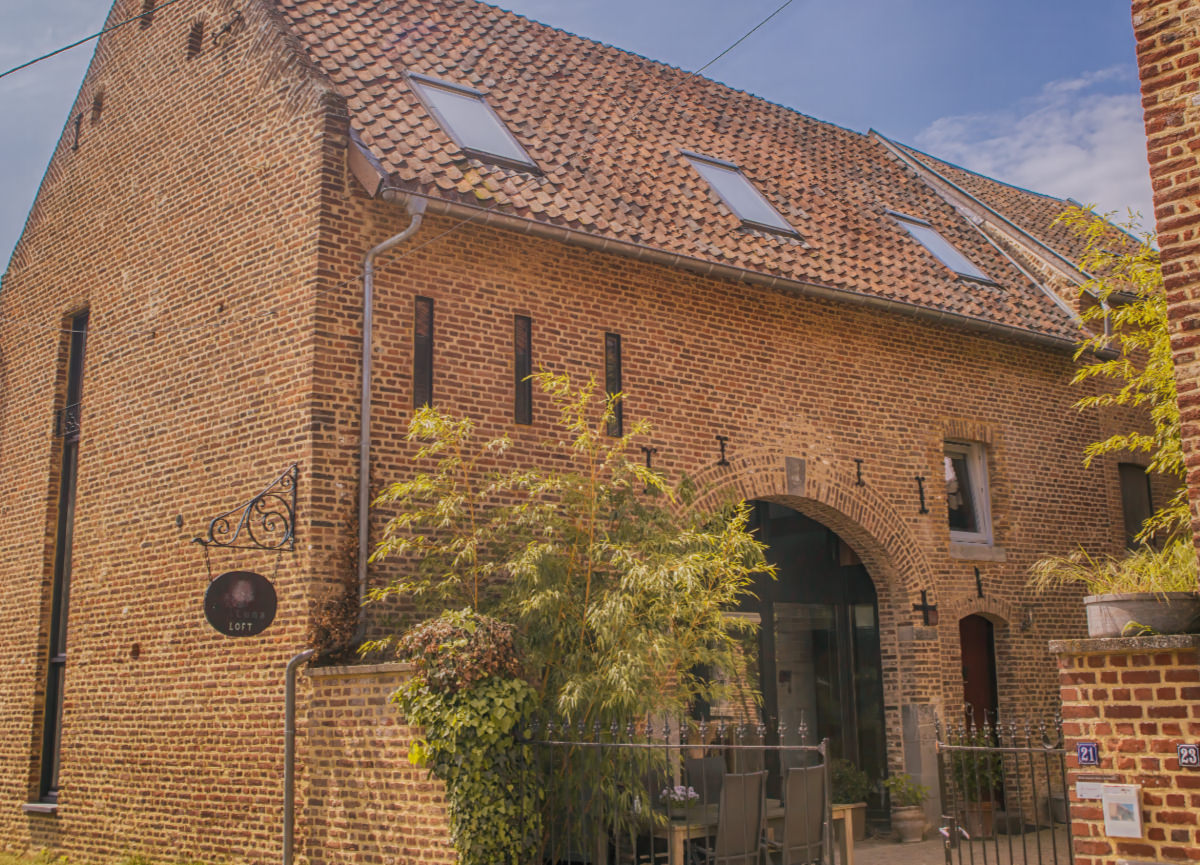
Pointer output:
738, 193
967, 504
466, 117
941, 249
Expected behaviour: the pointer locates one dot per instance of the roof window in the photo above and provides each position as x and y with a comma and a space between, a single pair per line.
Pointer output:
941, 248
739, 193
470, 121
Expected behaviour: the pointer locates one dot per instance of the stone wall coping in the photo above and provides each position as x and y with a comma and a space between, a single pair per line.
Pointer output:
1125, 645
361, 669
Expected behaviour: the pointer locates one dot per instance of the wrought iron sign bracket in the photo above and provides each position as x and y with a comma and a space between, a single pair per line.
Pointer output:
266, 522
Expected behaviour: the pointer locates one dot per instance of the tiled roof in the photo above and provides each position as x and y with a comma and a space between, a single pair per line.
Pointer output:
1030, 211
607, 127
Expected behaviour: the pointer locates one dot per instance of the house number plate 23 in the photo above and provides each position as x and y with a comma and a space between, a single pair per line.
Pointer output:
240, 603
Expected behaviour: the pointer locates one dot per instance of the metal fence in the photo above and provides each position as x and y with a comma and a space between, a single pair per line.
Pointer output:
686, 793
1004, 795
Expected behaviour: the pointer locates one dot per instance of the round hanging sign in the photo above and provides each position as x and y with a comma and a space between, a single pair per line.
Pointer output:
240, 603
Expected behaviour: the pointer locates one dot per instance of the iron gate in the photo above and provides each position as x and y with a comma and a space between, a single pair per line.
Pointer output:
1004, 794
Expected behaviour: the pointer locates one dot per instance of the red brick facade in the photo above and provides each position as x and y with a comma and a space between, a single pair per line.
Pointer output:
1168, 50
209, 222
1137, 699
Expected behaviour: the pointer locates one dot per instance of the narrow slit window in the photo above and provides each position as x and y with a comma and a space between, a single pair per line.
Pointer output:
423, 352
612, 382
738, 193
522, 369
940, 248
1136, 503
67, 427
466, 116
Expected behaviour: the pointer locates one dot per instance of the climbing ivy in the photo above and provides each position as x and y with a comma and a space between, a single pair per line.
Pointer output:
468, 699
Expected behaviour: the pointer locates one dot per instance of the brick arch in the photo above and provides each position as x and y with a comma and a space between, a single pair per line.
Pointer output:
1001, 612
862, 518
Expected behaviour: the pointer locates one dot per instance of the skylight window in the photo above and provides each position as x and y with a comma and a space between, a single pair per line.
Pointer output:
738, 193
470, 121
925, 234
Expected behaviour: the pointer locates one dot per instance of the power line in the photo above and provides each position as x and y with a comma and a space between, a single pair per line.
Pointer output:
408, 250
116, 26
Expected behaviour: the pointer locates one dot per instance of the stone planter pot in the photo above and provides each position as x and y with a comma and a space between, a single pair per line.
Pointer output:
909, 822
1163, 612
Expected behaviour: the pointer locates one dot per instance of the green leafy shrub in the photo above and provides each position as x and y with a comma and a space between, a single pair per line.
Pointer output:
848, 783
978, 774
905, 790
473, 709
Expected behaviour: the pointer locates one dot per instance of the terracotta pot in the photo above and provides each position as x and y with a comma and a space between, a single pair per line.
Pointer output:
909, 822
978, 820
1163, 612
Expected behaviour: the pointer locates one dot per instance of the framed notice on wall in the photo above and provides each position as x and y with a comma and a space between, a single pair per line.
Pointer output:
1122, 810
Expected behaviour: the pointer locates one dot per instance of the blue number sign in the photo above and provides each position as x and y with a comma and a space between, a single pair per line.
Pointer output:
1088, 753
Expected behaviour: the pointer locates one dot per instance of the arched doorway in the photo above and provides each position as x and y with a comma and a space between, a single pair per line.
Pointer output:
819, 642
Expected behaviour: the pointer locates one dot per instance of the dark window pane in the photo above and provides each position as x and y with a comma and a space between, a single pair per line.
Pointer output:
612, 381
1135, 499
423, 352
959, 502
522, 369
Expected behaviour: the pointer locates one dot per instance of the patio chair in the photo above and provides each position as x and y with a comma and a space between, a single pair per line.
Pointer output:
704, 775
803, 818
741, 822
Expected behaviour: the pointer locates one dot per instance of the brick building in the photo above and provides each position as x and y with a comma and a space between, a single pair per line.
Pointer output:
871, 344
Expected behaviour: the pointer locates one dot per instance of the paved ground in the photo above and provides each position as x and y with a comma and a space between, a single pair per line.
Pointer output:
993, 851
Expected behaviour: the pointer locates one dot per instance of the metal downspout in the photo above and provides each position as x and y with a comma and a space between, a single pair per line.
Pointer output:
289, 751
416, 208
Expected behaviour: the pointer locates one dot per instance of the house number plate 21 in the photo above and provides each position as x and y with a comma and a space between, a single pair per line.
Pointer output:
1088, 753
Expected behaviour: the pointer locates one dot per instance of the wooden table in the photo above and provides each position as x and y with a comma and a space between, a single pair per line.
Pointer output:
701, 821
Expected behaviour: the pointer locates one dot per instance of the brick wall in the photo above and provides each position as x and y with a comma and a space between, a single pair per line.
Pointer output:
1137, 698
182, 218
207, 220
1168, 51
360, 800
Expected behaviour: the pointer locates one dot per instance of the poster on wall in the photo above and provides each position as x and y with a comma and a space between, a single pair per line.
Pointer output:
1122, 810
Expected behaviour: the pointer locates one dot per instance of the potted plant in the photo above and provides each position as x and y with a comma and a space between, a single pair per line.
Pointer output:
849, 785
977, 775
908, 806
1151, 589
1148, 591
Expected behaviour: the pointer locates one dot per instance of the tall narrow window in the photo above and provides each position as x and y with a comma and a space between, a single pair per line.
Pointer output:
612, 381
1135, 499
423, 352
967, 504
522, 369
67, 426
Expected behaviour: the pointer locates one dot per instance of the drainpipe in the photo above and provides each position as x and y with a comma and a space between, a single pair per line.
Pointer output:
289, 751
416, 209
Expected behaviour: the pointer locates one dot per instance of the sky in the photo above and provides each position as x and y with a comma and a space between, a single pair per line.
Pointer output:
1039, 94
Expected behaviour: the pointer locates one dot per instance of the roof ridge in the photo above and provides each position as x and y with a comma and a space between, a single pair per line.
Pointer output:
917, 152
688, 74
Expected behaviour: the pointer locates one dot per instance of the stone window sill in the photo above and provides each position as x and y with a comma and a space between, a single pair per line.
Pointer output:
40, 808
978, 552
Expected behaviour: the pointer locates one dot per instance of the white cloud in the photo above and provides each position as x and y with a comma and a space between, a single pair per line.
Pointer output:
1076, 138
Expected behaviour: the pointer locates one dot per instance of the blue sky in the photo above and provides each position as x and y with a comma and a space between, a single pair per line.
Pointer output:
1039, 94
